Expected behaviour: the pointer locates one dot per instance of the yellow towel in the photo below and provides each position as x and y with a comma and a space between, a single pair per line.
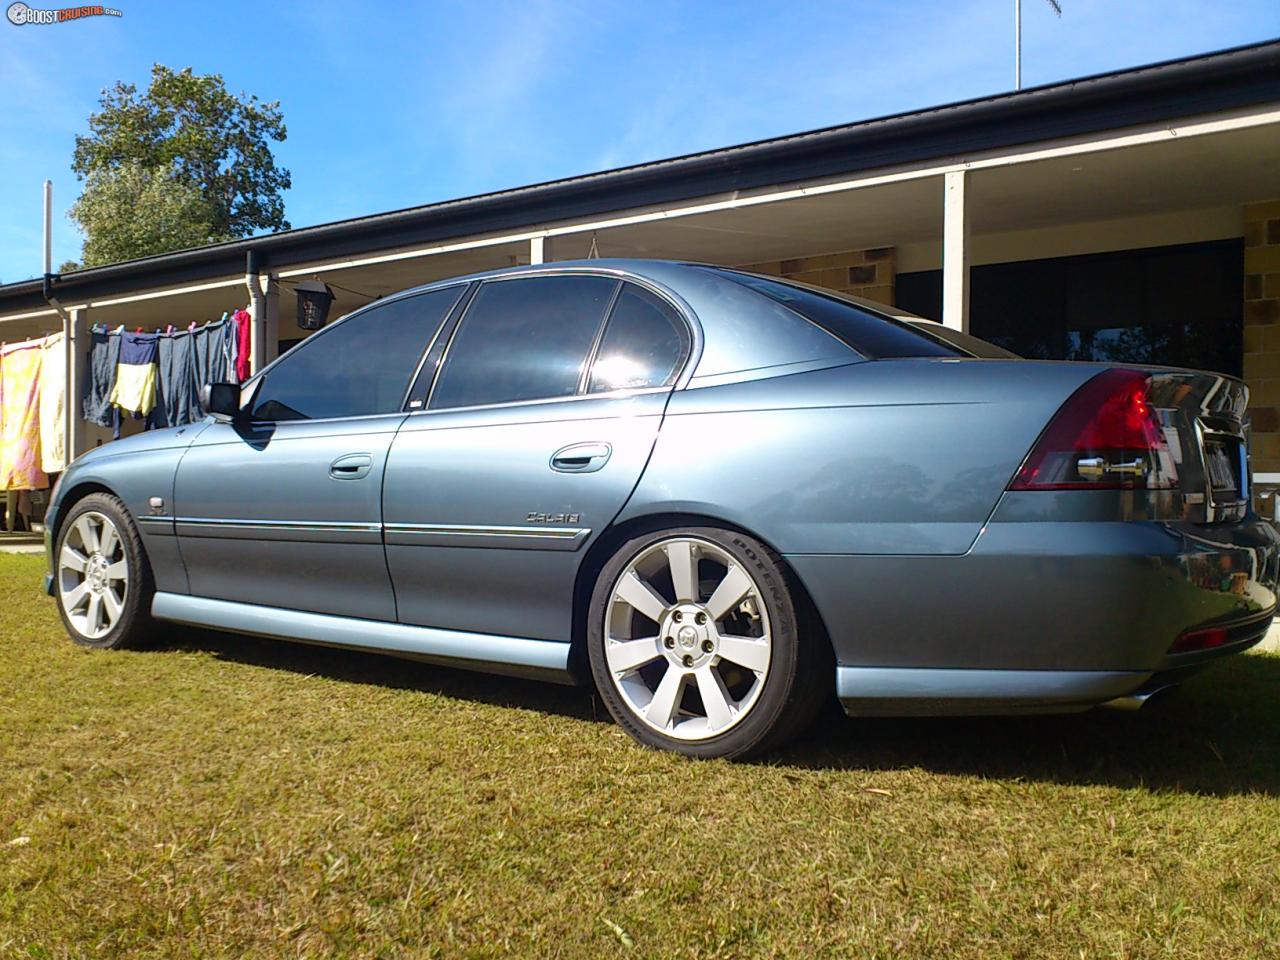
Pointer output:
20, 418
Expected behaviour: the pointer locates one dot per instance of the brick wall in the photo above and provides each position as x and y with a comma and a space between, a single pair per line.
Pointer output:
1262, 330
864, 273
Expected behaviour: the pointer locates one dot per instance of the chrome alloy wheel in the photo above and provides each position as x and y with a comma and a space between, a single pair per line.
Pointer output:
687, 638
93, 575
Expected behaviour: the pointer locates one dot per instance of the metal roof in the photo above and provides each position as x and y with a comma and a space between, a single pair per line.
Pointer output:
1239, 77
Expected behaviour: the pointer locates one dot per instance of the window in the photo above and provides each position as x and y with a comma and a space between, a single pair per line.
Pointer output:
871, 334
1176, 305
525, 339
356, 367
643, 343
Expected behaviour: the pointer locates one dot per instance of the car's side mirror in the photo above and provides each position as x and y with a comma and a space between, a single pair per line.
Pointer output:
223, 401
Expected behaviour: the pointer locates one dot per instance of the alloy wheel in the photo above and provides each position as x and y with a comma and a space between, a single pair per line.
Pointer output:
93, 575
687, 638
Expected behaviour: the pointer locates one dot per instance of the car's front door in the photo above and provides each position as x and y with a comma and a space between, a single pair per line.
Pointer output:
284, 509
541, 419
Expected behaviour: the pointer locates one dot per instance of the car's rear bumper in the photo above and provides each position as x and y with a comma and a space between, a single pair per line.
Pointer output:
1052, 615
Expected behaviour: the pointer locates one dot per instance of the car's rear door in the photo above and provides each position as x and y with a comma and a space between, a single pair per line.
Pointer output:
285, 508
539, 424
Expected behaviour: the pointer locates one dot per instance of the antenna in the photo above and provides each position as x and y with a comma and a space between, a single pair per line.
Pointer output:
1017, 38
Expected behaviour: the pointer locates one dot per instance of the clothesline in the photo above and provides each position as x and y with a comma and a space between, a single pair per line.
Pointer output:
157, 376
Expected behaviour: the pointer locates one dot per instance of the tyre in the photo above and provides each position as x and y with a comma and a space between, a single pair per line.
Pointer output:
102, 579
694, 645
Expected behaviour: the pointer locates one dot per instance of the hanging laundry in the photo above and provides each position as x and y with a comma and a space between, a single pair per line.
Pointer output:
165, 378
53, 401
243, 345
20, 418
179, 390
100, 377
135, 387
213, 349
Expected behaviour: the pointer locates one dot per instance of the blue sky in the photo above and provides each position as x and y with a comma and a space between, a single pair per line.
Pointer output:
391, 105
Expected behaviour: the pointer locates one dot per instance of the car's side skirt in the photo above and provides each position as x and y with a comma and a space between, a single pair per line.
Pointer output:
912, 691
518, 656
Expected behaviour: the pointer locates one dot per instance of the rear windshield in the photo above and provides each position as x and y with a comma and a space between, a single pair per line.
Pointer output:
871, 334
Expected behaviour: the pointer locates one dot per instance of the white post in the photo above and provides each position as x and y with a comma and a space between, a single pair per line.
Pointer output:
1017, 44
257, 325
48, 227
955, 252
538, 249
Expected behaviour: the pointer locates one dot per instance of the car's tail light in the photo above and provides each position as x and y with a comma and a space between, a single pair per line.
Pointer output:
1107, 436
1200, 640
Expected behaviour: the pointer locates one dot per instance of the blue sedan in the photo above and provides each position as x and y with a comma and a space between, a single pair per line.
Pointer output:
721, 498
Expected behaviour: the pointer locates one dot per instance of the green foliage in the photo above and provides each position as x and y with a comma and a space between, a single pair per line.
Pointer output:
129, 211
199, 154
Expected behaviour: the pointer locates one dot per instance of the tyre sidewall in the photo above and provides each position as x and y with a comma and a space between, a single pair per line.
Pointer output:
753, 732
133, 627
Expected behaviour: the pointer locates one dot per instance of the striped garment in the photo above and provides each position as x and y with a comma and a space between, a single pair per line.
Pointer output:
135, 388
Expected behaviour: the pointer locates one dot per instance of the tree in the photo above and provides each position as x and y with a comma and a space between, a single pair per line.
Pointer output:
188, 145
130, 211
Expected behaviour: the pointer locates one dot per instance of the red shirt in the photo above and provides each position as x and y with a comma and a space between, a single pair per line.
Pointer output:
242, 318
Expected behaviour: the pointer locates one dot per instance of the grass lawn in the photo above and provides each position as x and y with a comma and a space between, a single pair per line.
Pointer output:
227, 797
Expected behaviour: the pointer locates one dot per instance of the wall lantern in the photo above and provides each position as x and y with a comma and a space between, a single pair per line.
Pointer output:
314, 299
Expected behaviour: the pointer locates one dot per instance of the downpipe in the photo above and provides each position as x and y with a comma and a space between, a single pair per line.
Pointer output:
257, 310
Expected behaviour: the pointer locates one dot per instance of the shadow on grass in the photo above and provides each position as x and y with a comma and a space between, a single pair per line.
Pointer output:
384, 670
1217, 735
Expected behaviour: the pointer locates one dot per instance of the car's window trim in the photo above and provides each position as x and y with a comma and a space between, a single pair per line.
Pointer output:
622, 394
424, 377
255, 382
679, 378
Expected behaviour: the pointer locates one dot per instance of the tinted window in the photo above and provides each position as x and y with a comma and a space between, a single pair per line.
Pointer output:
1176, 305
524, 339
642, 346
871, 334
356, 367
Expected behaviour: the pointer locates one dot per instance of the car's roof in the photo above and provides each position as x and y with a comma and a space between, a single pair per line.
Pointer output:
660, 271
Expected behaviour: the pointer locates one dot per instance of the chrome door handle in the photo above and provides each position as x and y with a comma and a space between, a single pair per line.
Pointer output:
581, 457
353, 466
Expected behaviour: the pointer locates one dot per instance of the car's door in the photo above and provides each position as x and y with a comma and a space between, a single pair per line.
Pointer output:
284, 509
541, 418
